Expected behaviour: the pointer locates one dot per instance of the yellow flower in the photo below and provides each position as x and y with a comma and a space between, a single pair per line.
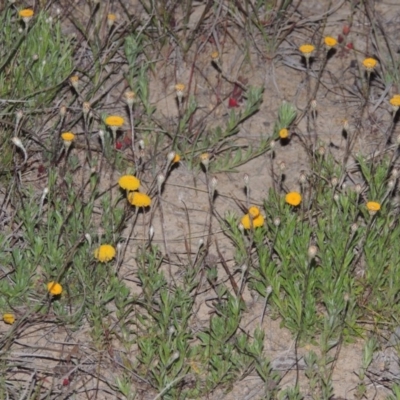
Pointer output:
330, 41
293, 198
104, 253
369, 64
26, 13
214, 55
283, 133
74, 80
179, 87
139, 199
247, 221
395, 102
111, 19
129, 182
130, 97
373, 206
67, 136
114, 121
54, 288
307, 50
254, 211
176, 159
9, 318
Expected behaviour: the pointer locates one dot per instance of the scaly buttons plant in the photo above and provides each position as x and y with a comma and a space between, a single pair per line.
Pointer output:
129, 182
54, 288
9, 318
283, 133
139, 199
369, 64
104, 253
293, 198
330, 41
307, 50
252, 219
373, 206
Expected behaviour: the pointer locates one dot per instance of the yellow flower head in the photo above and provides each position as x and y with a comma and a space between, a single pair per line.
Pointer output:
373, 206
307, 50
129, 182
293, 198
330, 41
214, 55
111, 19
204, 158
26, 13
67, 136
248, 221
130, 97
74, 80
254, 211
114, 121
395, 102
179, 87
104, 253
369, 64
283, 133
139, 199
9, 318
54, 288
176, 159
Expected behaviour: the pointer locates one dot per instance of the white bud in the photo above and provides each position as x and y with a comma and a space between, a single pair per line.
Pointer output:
151, 232
141, 144
170, 156
89, 239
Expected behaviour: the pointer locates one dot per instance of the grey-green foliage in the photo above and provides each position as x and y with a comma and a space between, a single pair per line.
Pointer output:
34, 62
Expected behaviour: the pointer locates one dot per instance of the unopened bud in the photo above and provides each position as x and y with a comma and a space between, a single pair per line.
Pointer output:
129, 97
214, 182
277, 221
170, 156
151, 232
302, 177
63, 111
312, 251
89, 239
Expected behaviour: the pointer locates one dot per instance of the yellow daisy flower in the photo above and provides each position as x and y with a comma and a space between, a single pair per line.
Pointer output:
214, 55
104, 253
8, 318
330, 41
176, 159
129, 182
139, 199
373, 206
54, 288
307, 50
284, 133
114, 121
369, 64
254, 211
26, 14
248, 221
395, 102
179, 87
293, 198
67, 136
